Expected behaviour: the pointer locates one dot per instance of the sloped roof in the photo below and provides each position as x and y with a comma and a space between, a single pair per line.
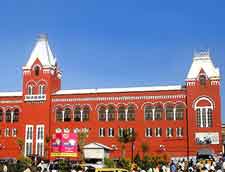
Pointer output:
95, 145
203, 61
43, 52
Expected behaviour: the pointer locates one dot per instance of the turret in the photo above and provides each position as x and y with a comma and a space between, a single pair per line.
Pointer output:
41, 75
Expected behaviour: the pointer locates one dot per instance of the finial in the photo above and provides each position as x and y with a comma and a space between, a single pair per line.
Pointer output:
42, 37
202, 53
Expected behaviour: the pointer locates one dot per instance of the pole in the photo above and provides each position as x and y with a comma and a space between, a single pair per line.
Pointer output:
132, 152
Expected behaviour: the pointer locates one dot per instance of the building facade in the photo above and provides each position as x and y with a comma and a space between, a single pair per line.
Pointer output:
178, 119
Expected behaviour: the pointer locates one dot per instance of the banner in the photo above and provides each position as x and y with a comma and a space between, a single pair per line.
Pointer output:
64, 145
207, 138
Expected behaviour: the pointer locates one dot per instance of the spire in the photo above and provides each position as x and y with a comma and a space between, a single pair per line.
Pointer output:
202, 61
42, 52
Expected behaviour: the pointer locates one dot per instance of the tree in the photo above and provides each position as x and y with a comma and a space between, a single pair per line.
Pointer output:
20, 143
127, 136
82, 135
47, 141
144, 148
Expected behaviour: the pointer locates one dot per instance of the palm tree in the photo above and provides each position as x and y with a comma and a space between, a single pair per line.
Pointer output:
82, 135
144, 148
127, 137
47, 141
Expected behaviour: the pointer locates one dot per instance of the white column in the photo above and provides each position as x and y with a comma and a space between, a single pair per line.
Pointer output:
201, 118
126, 112
206, 118
12, 114
81, 115
153, 114
63, 114
174, 114
106, 115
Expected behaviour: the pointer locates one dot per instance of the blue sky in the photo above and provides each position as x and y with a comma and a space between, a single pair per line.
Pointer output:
117, 43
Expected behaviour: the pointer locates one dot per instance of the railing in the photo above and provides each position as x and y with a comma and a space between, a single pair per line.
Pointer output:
35, 97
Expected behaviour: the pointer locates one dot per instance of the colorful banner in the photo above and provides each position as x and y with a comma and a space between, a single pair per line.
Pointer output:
64, 145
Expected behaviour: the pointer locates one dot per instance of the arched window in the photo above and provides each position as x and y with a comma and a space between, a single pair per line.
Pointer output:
180, 112
59, 115
77, 114
158, 112
1, 115
41, 89
67, 115
111, 113
121, 113
202, 80
148, 111
86, 112
131, 113
30, 90
8, 116
36, 70
102, 113
169, 112
204, 112
16, 115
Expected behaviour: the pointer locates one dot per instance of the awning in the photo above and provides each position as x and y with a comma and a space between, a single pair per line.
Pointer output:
204, 151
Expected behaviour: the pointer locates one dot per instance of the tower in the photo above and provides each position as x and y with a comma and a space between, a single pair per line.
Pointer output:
41, 78
204, 107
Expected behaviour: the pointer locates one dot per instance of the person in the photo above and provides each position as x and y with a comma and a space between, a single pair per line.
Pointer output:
172, 167
27, 169
5, 169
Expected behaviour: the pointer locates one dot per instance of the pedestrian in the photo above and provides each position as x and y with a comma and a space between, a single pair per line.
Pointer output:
5, 168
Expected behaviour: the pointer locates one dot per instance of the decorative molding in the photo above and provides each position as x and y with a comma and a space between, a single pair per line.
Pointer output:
11, 101
215, 82
119, 98
189, 83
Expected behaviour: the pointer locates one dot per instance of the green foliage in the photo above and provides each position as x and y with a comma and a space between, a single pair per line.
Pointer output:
144, 148
137, 159
81, 142
124, 163
20, 143
63, 166
109, 163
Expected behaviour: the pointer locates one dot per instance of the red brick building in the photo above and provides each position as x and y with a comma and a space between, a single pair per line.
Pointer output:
177, 119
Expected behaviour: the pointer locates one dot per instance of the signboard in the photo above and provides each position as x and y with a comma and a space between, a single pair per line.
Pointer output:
64, 145
207, 138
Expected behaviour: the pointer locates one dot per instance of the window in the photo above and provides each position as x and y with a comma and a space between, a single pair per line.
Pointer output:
111, 113
179, 112
131, 113
180, 132
30, 90
121, 130
36, 70
77, 114
41, 89
148, 132
158, 113
148, 113
169, 132
67, 115
204, 117
158, 132
7, 132
40, 140
209, 117
111, 132
1, 115
202, 80
86, 112
102, 113
14, 132
121, 113
29, 140
169, 113
8, 116
59, 114
101, 132
16, 115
